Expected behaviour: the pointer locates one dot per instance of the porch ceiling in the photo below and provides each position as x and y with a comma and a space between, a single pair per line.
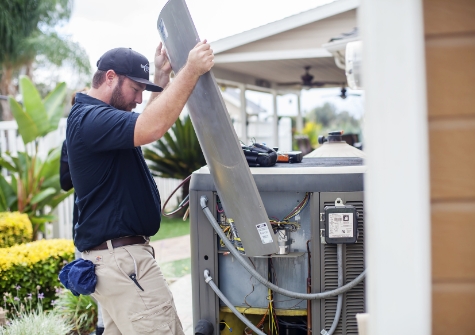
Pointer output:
281, 71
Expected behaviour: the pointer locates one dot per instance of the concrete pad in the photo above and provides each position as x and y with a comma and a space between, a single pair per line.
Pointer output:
181, 290
172, 249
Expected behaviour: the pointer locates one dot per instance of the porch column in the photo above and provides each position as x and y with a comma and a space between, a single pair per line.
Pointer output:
275, 122
398, 250
242, 95
299, 123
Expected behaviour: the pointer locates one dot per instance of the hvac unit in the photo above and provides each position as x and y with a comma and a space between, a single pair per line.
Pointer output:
304, 202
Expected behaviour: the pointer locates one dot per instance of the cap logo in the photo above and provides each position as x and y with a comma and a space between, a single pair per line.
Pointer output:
144, 67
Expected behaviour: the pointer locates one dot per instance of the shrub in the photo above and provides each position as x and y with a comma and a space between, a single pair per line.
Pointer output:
26, 316
34, 268
15, 228
36, 322
80, 312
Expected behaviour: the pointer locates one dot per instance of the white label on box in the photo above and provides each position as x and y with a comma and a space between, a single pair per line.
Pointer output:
340, 225
264, 233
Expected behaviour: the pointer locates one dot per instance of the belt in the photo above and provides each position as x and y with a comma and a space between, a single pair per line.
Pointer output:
120, 242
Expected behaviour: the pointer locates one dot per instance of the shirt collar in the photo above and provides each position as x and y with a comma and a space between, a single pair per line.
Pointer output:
82, 98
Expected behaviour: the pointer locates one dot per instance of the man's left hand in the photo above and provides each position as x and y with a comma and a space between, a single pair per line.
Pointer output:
162, 64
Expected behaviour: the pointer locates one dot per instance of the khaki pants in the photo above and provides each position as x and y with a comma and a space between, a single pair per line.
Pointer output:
126, 308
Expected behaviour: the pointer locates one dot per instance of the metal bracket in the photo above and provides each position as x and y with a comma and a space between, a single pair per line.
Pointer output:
339, 203
322, 217
322, 236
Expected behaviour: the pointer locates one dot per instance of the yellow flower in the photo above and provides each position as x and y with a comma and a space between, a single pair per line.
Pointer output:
15, 228
30, 253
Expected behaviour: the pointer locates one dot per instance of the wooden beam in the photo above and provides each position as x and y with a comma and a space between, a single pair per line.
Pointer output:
239, 57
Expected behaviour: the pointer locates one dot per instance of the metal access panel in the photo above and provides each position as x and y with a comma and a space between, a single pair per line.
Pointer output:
217, 137
353, 265
291, 269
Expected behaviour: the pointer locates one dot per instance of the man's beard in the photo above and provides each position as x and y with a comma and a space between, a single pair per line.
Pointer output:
117, 99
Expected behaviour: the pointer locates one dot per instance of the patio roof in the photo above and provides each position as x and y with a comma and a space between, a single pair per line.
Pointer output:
276, 53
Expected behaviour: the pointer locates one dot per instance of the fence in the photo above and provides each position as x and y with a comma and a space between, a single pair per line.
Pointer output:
11, 141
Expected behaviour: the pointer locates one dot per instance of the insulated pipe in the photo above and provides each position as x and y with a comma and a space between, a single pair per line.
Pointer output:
339, 255
309, 290
262, 280
221, 296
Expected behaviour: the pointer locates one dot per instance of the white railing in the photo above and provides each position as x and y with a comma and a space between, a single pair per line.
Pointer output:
261, 131
11, 141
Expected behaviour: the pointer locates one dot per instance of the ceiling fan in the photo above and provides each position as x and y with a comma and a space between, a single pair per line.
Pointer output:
307, 81
343, 94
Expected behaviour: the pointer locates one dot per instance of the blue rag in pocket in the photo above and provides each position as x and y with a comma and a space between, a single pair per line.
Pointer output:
79, 277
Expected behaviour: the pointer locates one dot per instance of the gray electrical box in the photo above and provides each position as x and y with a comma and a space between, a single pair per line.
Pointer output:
341, 223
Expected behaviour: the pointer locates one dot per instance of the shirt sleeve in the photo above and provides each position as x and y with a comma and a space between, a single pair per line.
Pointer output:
104, 129
64, 174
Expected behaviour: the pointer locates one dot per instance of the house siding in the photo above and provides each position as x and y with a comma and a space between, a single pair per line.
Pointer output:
449, 28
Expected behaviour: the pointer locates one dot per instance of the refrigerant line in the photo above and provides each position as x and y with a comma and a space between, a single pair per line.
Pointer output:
223, 298
262, 280
339, 255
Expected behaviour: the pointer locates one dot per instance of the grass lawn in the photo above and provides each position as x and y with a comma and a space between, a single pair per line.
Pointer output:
176, 269
172, 227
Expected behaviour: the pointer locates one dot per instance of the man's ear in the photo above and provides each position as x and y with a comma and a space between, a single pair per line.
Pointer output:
110, 76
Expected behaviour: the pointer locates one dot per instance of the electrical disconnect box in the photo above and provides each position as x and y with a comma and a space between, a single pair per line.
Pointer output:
341, 225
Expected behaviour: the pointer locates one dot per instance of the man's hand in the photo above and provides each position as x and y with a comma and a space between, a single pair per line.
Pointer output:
163, 69
162, 64
200, 58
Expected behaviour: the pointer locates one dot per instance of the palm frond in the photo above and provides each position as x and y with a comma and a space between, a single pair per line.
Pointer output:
177, 154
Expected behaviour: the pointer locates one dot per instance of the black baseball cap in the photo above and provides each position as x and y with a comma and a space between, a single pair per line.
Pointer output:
129, 63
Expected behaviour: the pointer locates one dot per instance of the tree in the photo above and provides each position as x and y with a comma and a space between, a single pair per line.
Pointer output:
28, 35
323, 114
330, 119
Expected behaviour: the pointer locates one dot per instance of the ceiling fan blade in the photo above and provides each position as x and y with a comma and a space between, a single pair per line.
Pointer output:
323, 83
290, 84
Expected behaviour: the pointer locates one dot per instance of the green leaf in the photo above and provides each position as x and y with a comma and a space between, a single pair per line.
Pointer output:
8, 193
42, 195
52, 181
7, 165
14, 184
26, 126
39, 219
55, 118
34, 106
59, 198
50, 166
177, 154
54, 105
23, 166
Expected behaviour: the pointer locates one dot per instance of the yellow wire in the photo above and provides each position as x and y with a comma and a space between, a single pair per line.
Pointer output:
226, 325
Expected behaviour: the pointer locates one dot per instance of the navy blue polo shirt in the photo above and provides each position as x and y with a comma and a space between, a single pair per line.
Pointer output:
116, 194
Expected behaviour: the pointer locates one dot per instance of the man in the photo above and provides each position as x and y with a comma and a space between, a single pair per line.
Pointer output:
66, 184
118, 201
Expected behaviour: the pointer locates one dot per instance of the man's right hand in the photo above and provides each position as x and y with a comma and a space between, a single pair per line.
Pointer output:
200, 58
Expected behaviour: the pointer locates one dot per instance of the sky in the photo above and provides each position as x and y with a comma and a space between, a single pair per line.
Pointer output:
100, 25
